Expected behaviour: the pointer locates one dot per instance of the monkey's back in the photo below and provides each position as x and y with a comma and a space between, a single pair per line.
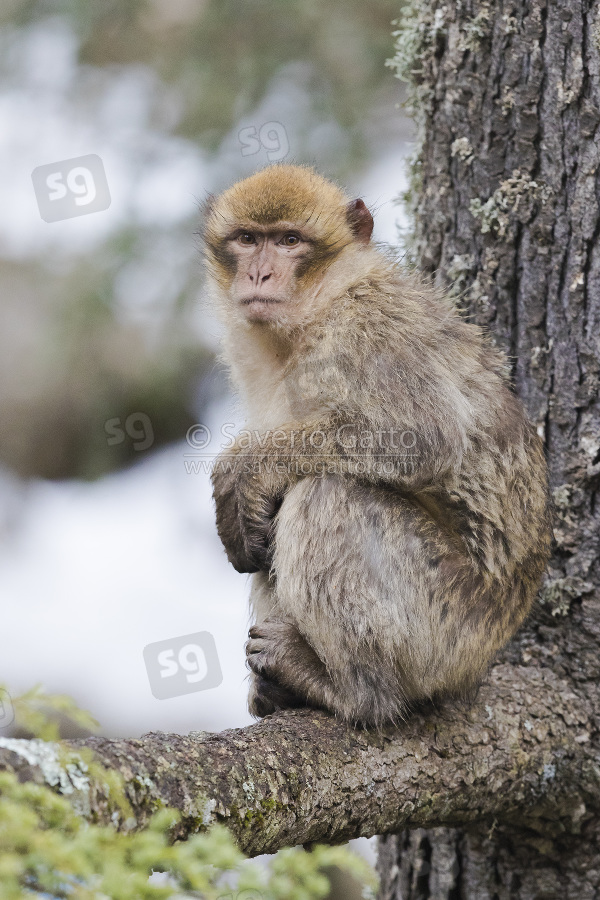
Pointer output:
425, 579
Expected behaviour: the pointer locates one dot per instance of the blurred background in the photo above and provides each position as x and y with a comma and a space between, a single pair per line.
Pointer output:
130, 113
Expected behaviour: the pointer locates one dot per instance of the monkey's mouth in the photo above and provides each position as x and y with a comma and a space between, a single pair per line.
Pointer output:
248, 300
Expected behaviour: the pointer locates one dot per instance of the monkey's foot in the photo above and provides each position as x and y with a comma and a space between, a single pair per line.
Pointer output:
278, 653
271, 650
266, 697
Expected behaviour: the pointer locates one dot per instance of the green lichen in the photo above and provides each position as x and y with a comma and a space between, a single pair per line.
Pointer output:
415, 40
590, 444
537, 354
475, 30
459, 269
417, 34
559, 593
596, 31
507, 101
256, 818
562, 495
516, 196
511, 24
478, 294
462, 148
409, 201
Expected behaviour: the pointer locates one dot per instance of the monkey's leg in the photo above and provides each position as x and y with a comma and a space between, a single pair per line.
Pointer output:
359, 621
319, 630
288, 673
280, 657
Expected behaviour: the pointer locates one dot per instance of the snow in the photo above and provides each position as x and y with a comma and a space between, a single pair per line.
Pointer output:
92, 572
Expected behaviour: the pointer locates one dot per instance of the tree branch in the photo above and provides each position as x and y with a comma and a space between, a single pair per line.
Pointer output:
518, 755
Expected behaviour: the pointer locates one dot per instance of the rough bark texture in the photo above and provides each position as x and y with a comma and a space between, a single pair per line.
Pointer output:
519, 756
506, 194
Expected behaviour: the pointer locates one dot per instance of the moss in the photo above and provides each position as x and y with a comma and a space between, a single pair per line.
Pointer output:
47, 849
257, 818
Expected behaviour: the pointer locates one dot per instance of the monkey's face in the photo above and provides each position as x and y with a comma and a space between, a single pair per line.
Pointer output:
271, 238
269, 262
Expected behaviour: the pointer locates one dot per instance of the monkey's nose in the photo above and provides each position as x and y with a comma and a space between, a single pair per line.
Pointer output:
260, 278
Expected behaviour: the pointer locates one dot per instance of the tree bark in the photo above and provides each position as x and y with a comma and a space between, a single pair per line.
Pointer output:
506, 193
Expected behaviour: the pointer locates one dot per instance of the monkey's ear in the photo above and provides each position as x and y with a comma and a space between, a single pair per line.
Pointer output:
360, 221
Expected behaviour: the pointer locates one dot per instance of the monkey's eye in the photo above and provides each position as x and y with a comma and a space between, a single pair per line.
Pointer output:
290, 240
246, 237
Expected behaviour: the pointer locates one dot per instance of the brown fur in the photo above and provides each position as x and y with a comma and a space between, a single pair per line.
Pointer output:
381, 578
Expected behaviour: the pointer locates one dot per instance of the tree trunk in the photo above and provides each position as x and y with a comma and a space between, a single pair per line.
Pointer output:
506, 192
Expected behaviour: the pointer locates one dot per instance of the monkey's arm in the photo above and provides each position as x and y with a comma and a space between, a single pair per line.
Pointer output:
246, 540
249, 485
386, 416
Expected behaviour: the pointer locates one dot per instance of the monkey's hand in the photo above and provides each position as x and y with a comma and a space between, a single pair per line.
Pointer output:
247, 499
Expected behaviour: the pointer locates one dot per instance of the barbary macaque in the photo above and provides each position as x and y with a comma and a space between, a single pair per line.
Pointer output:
388, 491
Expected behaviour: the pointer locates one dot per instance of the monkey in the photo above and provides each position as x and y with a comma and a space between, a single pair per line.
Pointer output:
388, 495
